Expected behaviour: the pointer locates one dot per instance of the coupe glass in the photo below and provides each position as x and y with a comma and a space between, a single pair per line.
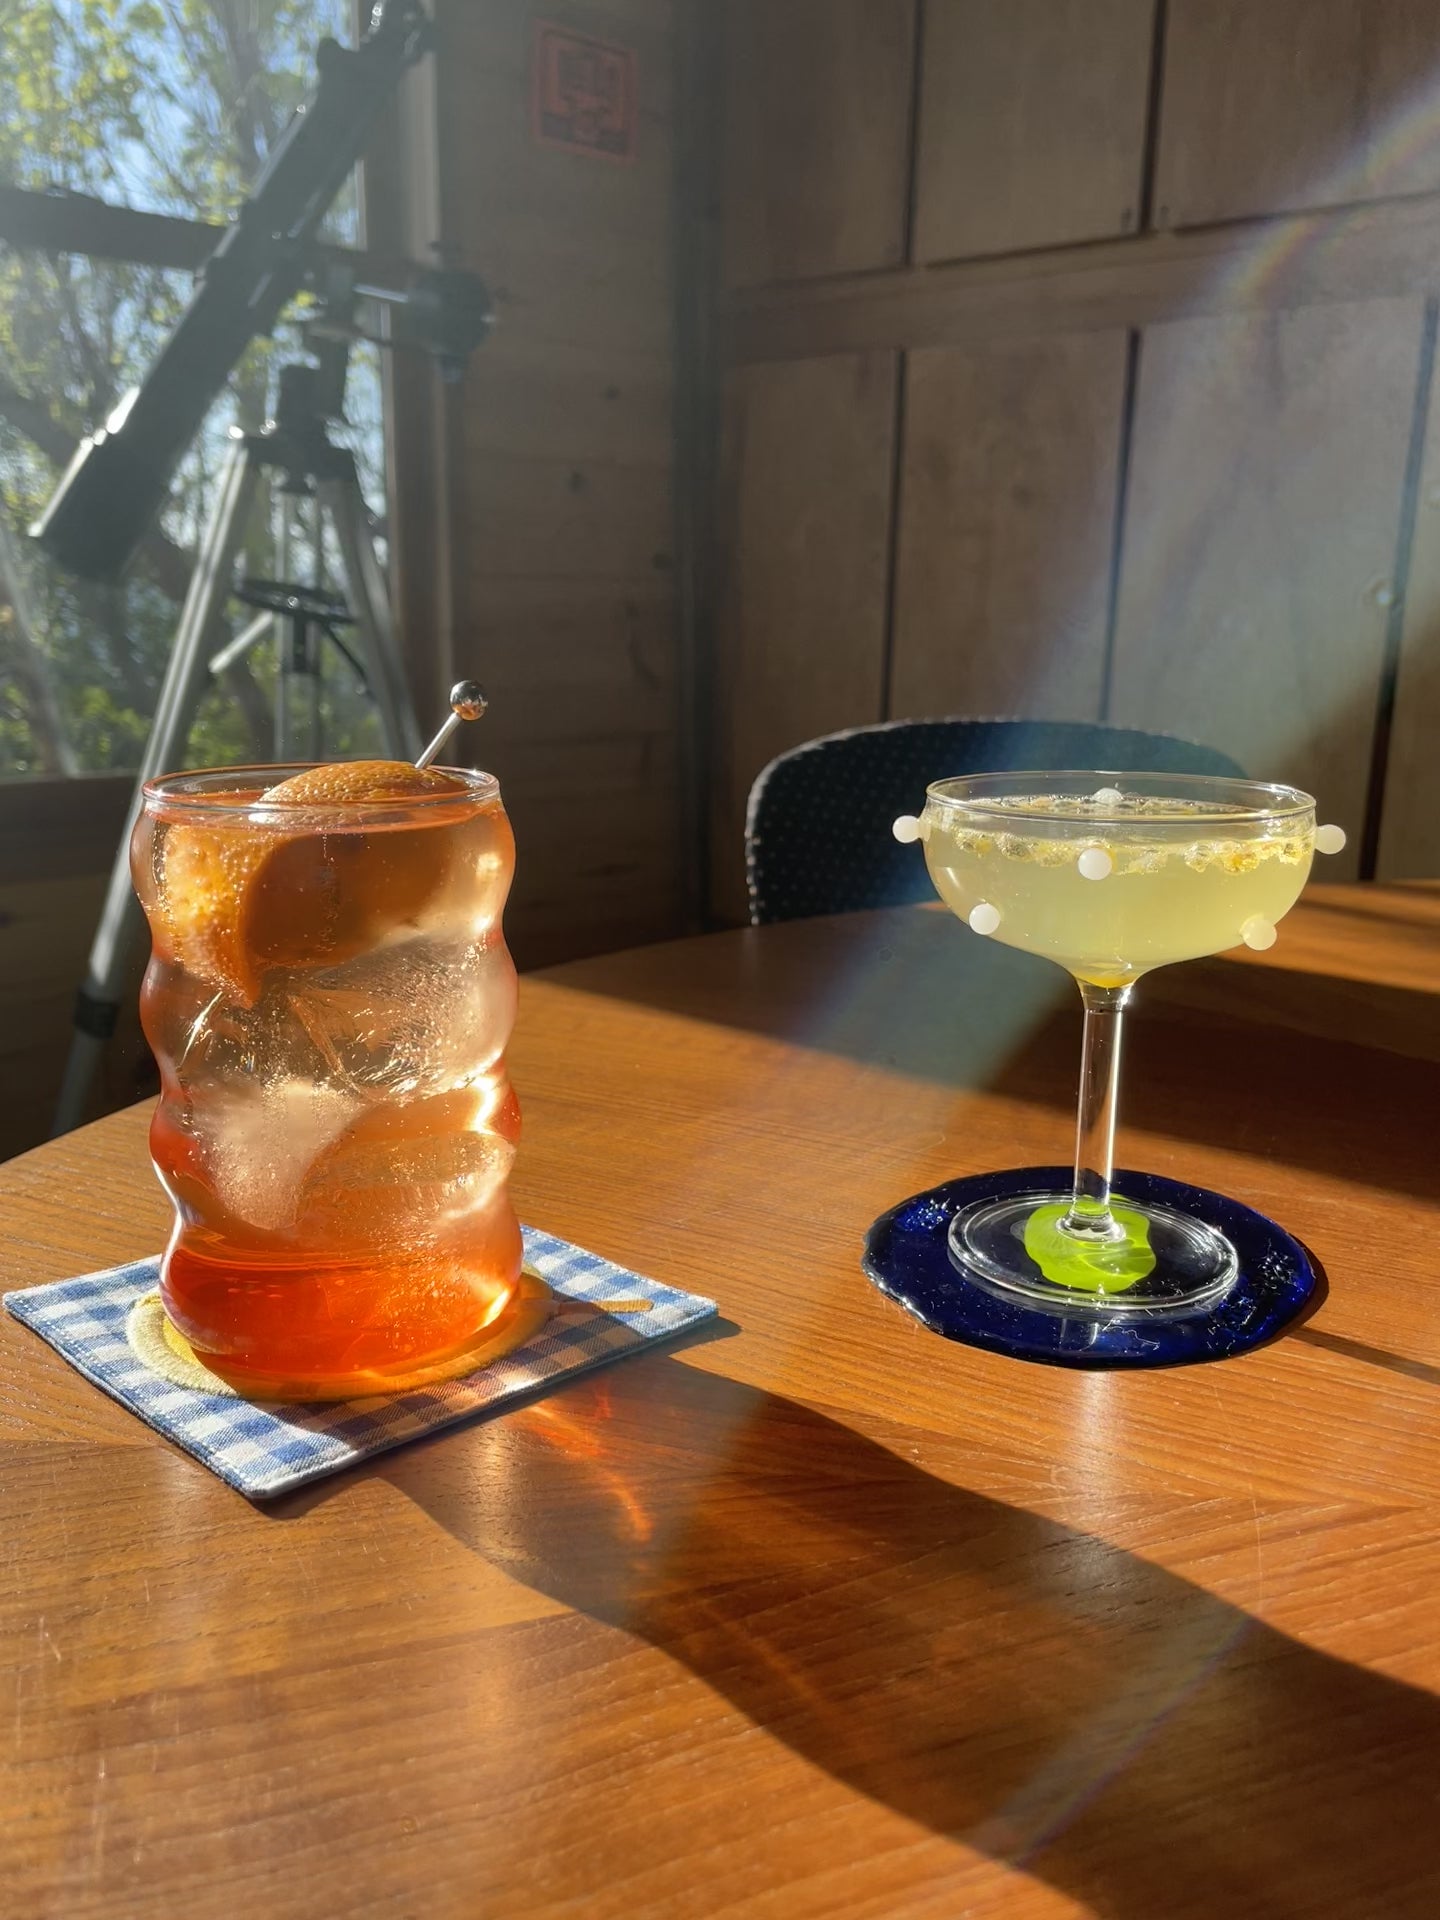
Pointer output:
1109, 875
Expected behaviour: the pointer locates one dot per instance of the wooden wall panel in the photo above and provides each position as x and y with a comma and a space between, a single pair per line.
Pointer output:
57, 840
588, 758
600, 520
563, 402
1273, 105
564, 576
805, 535
1032, 123
46, 927
817, 136
1006, 527
1264, 509
1410, 817
1388, 250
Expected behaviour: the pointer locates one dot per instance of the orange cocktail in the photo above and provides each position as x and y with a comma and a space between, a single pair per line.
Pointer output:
329, 999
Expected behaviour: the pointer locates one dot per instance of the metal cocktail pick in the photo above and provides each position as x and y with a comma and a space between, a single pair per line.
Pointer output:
467, 702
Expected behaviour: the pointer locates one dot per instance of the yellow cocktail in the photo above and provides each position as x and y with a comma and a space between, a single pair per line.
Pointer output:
1111, 888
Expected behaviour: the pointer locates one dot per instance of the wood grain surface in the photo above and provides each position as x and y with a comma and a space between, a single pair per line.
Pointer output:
57, 841
561, 492
1263, 520
1350, 253
1410, 820
802, 560
817, 105
1032, 123
820, 1615
1006, 527
1269, 105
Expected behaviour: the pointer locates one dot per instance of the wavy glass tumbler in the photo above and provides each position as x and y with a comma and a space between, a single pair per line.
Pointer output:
329, 999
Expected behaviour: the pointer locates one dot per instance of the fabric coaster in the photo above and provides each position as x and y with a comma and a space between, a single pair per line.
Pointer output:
604, 1312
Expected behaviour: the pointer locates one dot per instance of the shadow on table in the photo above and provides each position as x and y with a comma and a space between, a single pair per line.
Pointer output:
1400, 1363
1054, 1701
911, 992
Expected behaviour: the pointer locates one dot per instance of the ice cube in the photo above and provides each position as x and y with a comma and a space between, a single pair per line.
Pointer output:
404, 1171
411, 1016
260, 1142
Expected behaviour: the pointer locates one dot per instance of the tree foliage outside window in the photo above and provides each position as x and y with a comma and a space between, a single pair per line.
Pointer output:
171, 106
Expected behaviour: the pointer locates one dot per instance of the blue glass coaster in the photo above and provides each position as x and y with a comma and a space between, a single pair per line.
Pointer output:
908, 1257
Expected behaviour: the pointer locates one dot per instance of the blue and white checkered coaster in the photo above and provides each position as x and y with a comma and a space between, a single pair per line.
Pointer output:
265, 1450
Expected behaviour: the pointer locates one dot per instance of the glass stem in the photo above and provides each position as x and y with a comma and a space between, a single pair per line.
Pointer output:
1090, 1213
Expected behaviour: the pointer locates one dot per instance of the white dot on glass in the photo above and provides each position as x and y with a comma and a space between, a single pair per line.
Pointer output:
984, 918
906, 829
1257, 932
1329, 839
1108, 797
1094, 863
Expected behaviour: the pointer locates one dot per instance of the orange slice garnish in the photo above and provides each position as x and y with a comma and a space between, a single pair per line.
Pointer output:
239, 896
398, 1166
343, 782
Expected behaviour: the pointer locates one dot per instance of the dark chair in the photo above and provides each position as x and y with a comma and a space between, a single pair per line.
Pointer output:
817, 830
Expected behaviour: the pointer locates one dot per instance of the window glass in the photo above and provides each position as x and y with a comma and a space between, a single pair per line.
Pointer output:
171, 106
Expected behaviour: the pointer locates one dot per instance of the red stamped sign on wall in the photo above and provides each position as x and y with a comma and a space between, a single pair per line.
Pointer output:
584, 93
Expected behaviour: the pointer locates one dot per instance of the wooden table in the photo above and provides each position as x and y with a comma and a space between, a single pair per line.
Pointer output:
820, 1615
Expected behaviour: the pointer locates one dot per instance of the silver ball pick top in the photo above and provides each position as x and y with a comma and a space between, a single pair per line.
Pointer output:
467, 702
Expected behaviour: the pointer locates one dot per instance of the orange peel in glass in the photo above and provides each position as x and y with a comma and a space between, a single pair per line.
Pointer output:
398, 1161
237, 898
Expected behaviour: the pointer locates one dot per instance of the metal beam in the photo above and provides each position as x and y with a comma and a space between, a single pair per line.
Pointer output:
65, 222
